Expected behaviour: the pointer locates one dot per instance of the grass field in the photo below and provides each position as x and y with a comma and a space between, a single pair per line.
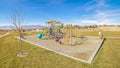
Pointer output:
104, 33
108, 56
2, 32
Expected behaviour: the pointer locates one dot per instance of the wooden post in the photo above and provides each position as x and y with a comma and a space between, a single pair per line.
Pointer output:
70, 34
77, 33
63, 33
46, 29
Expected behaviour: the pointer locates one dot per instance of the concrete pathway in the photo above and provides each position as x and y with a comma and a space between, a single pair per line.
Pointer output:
4, 35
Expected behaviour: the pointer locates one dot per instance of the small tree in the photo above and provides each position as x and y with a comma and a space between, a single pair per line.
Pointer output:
16, 20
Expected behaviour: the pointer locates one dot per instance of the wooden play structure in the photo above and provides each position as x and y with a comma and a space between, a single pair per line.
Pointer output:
66, 35
53, 29
71, 35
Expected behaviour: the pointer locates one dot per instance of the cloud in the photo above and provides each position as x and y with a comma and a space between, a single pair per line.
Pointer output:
89, 3
89, 21
109, 14
99, 22
100, 17
95, 4
101, 3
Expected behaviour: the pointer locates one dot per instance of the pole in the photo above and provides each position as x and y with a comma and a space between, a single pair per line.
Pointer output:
70, 34
21, 42
46, 29
77, 33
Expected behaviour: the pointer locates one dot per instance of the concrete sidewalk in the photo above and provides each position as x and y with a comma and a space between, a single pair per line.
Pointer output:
4, 35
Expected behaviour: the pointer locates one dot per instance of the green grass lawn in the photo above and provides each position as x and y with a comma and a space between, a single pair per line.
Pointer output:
28, 33
104, 33
107, 57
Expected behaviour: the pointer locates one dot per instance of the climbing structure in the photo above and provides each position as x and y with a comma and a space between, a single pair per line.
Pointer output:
67, 36
53, 30
71, 35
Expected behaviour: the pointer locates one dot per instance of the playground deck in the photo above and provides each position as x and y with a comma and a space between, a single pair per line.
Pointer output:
81, 52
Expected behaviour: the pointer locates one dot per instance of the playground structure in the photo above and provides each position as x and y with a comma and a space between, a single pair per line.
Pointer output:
53, 29
66, 35
72, 35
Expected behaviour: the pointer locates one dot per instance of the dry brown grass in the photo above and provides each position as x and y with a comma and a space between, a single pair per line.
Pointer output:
83, 55
2, 32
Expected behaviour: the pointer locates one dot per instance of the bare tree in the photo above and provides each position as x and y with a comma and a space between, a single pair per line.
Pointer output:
16, 20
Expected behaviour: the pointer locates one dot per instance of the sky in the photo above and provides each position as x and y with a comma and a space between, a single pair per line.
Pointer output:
78, 12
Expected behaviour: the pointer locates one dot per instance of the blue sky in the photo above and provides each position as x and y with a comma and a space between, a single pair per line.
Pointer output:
79, 12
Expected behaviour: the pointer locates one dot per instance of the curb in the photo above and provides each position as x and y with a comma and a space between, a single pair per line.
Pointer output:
96, 51
89, 61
